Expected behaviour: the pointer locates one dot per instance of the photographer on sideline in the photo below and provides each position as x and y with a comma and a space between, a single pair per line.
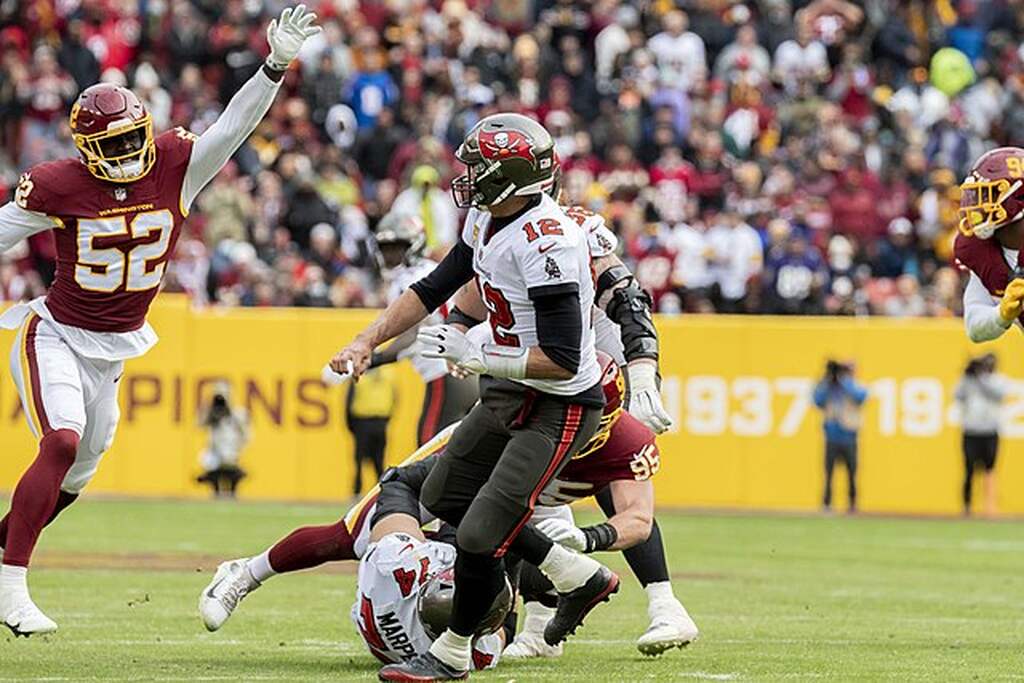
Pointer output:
840, 399
979, 394
229, 434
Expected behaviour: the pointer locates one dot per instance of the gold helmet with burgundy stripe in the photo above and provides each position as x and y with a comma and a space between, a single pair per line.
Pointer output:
113, 132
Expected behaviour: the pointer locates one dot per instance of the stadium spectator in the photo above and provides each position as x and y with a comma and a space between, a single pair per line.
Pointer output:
865, 115
840, 399
980, 395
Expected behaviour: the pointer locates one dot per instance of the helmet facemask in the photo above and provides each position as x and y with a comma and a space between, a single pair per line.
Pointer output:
482, 185
123, 154
982, 208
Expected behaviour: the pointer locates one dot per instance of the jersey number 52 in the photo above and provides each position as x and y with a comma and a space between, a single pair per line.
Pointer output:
108, 268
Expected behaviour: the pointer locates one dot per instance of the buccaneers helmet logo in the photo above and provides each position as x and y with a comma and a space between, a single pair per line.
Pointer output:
510, 144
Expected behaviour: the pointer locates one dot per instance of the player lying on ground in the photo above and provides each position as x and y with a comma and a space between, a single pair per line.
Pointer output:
116, 213
618, 463
990, 241
404, 593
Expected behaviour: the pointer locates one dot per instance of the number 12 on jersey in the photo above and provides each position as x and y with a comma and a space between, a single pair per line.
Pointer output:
545, 226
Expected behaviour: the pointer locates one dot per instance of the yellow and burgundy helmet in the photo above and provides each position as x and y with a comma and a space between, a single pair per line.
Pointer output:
113, 132
992, 195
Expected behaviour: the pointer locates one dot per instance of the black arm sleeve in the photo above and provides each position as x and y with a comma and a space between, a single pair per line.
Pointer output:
454, 271
400, 490
559, 323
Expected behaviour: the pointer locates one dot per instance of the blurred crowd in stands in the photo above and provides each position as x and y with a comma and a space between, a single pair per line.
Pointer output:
761, 156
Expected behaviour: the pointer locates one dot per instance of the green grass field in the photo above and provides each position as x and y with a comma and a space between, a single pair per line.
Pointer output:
776, 598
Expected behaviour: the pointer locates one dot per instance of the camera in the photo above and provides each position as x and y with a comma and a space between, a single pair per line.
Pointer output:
835, 371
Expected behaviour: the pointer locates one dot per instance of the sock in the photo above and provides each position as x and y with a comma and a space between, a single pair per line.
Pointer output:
310, 546
478, 581
453, 649
64, 499
260, 568
13, 578
662, 590
566, 569
35, 497
531, 545
537, 617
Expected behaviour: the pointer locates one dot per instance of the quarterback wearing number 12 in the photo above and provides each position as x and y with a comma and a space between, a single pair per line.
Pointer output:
116, 213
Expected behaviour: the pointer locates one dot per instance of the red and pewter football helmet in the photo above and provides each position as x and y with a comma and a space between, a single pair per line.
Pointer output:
992, 195
113, 132
505, 155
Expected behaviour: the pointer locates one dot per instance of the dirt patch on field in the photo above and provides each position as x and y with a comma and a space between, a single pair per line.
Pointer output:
157, 562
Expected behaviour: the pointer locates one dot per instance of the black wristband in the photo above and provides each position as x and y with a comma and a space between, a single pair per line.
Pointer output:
599, 537
457, 316
376, 359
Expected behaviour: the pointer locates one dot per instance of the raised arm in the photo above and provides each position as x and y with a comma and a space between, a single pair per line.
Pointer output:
250, 104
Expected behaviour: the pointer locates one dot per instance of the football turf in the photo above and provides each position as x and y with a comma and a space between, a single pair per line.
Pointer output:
777, 598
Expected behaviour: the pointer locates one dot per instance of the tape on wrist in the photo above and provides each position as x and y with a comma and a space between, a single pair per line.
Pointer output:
599, 537
505, 361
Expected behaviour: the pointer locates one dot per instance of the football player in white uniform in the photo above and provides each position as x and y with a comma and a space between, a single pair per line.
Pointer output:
541, 398
400, 239
404, 595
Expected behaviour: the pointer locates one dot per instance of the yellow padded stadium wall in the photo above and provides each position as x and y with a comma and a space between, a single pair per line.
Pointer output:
747, 434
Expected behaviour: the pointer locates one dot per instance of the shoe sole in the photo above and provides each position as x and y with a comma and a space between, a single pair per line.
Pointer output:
26, 634
603, 596
420, 679
659, 648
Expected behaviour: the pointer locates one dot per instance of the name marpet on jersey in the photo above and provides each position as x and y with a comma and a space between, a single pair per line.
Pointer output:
126, 209
394, 633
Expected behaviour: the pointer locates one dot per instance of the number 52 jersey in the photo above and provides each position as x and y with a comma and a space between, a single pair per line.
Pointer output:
113, 239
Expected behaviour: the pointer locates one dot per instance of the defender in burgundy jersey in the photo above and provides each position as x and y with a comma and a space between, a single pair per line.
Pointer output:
991, 234
116, 212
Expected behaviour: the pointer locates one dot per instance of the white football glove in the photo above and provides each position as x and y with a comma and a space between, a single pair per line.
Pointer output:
445, 341
563, 533
644, 397
287, 33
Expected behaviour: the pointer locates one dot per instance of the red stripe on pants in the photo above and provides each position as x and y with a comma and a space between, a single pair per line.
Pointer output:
573, 419
33, 371
429, 428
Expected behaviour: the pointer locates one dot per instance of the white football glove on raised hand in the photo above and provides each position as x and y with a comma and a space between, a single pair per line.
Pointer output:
445, 341
644, 397
287, 33
563, 533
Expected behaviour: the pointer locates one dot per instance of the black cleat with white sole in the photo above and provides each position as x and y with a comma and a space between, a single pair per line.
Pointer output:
576, 604
423, 668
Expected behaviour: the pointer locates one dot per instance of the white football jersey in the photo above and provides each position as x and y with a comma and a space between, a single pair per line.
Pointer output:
399, 279
602, 242
543, 247
385, 612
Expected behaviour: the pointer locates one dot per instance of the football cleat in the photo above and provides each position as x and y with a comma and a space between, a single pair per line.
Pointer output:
574, 606
22, 616
220, 598
421, 669
670, 627
529, 642
530, 646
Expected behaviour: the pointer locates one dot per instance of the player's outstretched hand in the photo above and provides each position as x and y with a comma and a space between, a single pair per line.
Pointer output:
444, 341
1012, 301
287, 33
645, 399
353, 360
563, 533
